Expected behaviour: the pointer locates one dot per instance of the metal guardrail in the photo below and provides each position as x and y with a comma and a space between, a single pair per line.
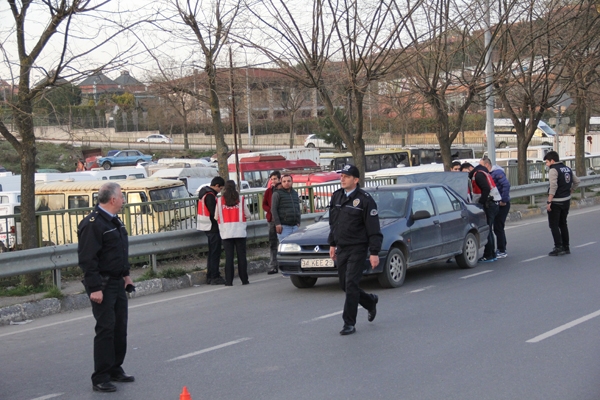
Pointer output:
62, 256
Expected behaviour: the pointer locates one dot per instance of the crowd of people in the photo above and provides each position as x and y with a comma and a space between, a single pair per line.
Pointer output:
355, 235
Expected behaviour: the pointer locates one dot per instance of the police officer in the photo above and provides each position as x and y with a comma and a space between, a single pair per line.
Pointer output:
103, 256
354, 234
563, 182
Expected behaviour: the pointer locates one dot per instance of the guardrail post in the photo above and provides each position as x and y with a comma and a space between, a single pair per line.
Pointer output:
311, 198
153, 263
38, 228
56, 277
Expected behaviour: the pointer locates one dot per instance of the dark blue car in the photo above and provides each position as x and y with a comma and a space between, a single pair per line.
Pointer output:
420, 222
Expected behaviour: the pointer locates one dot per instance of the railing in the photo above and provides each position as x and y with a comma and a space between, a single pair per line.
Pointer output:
54, 258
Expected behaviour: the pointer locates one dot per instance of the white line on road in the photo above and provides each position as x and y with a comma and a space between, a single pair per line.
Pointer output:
49, 396
585, 244
421, 290
196, 353
477, 274
563, 327
533, 259
323, 317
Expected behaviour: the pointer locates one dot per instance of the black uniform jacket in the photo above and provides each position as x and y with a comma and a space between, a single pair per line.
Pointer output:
103, 248
354, 221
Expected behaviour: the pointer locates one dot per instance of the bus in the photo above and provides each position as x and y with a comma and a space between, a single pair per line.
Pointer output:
62, 205
413, 156
255, 170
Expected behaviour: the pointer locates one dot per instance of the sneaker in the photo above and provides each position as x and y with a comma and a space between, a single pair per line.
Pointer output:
501, 254
487, 260
567, 249
217, 281
557, 251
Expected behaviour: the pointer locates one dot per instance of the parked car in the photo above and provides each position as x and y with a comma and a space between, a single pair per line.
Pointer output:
312, 141
123, 157
420, 222
155, 139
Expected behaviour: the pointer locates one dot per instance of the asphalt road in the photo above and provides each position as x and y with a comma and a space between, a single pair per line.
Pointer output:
524, 327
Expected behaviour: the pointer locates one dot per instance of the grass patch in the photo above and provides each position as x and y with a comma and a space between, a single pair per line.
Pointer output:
171, 273
146, 276
54, 293
21, 290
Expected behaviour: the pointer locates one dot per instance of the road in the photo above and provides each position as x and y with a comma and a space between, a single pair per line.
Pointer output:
525, 327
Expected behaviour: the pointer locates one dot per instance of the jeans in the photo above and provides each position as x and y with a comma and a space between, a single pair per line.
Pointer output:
110, 342
557, 219
490, 248
499, 223
214, 255
239, 245
286, 231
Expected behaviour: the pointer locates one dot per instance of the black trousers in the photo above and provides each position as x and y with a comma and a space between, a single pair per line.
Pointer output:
110, 342
273, 243
214, 255
239, 245
557, 219
499, 224
489, 251
351, 263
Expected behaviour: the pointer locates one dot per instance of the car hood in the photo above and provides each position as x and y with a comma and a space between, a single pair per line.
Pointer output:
318, 232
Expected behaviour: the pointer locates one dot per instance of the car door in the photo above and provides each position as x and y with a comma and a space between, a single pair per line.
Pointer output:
425, 234
452, 219
120, 158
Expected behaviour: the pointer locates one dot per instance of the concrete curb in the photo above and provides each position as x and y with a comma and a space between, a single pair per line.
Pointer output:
41, 308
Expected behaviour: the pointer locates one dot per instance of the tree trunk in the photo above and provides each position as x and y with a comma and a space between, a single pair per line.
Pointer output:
292, 130
581, 119
215, 111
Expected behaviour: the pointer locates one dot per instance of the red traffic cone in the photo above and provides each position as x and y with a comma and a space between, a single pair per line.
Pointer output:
185, 395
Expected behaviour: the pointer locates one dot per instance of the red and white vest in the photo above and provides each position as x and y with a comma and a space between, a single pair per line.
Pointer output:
203, 222
231, 219
476, 194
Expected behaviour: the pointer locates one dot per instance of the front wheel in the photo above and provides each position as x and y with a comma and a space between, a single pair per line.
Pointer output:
303, 282
106, 165
394, 269
470, 252
310, 145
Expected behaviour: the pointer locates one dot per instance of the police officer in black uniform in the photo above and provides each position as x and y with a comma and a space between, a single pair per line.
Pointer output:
103, 256
354, 233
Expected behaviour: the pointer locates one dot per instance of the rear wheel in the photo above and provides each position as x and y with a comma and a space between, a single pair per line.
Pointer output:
394, 270
311, 145
469, 256
502, 145
106, 165
138, 162
303, 282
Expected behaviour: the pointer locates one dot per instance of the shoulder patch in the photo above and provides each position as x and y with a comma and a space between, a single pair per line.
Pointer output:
373, 212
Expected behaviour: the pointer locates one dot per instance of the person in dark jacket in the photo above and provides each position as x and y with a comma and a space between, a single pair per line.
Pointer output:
354, 234
285, 208
486, 194
503, 186
207, 204
274, 181
563, 182
103, 251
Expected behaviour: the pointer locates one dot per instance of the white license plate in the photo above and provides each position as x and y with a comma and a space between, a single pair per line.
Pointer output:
317, 263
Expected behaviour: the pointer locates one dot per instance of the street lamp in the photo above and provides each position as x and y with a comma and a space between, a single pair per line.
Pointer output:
248, 106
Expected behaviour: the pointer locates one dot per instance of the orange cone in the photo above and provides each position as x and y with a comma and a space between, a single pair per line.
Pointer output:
185, 395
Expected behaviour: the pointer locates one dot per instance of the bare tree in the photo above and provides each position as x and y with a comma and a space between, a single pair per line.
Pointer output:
205, 27
343, 46
293, 99
530, 69
50, 52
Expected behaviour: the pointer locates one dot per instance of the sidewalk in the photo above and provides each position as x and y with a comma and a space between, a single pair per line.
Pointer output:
18, 309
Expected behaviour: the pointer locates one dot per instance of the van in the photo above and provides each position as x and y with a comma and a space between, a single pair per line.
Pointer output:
149, 207
505, 134
192, 177
10, 225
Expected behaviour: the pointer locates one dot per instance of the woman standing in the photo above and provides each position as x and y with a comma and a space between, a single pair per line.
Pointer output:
232, 212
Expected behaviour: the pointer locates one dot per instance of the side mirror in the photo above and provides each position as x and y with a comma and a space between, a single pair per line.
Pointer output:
422, 214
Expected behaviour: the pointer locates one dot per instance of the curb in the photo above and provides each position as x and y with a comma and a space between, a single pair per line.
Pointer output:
42, 308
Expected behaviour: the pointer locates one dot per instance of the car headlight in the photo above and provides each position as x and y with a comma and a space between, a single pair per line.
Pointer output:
289, 248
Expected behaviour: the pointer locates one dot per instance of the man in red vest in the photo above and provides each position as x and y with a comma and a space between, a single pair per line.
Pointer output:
274, 180
207, 204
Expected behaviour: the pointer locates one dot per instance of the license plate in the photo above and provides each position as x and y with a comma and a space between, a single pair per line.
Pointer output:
317, 263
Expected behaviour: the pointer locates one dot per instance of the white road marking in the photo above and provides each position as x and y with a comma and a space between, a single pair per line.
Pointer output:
421, 290
533, 259
130, 307
49, 396
477, 274
196, 353
563, 327
586, 244
323, 317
